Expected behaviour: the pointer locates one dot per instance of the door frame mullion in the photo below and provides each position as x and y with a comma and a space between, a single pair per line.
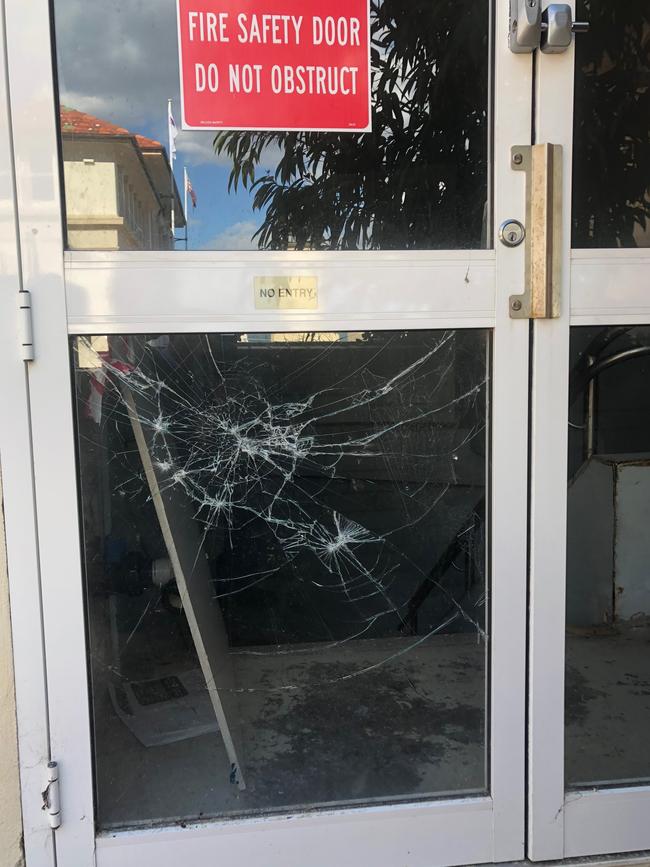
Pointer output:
31, 87
512, 126
19, 546
548, 456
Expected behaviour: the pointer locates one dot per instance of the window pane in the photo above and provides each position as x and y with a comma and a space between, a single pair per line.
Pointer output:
608, 578
285, 548
611, 156
418, 181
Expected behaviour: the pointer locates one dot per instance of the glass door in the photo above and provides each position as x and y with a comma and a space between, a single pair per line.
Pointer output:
590, 699
280, 419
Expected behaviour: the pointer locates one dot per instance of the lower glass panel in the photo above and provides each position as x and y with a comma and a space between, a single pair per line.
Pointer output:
285, 548
608, 562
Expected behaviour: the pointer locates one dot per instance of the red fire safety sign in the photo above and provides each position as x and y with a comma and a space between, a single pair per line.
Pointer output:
275, 64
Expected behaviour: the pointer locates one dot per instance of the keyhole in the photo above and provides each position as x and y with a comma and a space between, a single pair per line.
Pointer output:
511, 233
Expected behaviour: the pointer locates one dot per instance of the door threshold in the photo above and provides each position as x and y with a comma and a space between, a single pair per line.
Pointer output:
631, 859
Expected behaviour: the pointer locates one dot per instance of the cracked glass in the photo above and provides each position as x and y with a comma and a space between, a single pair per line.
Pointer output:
285, 554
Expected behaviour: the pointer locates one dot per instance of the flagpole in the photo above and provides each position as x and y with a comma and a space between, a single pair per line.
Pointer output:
171, 172
187, 216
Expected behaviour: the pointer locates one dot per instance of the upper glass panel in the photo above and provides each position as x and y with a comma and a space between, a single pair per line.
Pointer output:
419, 180
611, 163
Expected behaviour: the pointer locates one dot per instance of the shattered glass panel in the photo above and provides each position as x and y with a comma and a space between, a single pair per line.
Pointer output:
608, 578
285, 553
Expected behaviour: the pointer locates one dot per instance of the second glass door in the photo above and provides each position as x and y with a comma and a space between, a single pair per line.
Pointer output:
591, 491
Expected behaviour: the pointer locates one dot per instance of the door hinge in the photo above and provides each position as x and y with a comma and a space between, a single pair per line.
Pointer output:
542, 164
51, 796
26, 333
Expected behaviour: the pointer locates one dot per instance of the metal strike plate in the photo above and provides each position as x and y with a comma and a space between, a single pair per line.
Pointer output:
525, 31
542, 164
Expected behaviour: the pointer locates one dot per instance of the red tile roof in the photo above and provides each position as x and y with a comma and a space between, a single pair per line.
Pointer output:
78, 123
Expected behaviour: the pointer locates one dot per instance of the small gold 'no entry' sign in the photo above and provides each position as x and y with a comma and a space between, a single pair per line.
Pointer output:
286, 293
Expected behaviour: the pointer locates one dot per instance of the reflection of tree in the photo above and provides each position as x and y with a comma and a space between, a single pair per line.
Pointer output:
612, 124
419, 180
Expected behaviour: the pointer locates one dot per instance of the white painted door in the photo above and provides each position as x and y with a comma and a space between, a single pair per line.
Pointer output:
589, 709
363, 459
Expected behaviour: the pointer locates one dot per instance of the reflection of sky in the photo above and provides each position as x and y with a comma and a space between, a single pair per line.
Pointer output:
119, 62
222, 219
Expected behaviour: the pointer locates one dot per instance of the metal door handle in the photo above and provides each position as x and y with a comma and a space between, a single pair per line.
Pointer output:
551, 30
542, 164
558, 28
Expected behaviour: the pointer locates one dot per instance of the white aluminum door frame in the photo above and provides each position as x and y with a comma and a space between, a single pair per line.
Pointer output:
446, 290
600, 287
19, 512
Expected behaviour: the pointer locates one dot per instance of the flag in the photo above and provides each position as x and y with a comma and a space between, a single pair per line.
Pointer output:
190, 189
101, 364
96, 395
173, 132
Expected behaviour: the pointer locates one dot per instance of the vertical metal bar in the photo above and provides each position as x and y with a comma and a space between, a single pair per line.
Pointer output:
507, 501
185, 191
543, 166
171, 173
591, 413
540, 230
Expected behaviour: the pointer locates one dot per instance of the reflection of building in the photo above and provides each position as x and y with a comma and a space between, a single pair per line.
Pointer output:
118, 187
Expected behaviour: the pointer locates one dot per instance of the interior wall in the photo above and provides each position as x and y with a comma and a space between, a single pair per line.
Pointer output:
11, 845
